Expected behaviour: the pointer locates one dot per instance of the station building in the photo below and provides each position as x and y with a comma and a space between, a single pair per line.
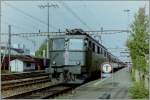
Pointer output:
22, 63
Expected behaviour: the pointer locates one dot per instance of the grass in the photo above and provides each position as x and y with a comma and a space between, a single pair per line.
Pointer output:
138, 91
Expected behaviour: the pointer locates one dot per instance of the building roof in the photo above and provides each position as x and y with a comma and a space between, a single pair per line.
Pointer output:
26, 59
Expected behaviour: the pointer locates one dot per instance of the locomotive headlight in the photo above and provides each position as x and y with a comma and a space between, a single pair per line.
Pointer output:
54, 63
85, 42
78, 62
66, 39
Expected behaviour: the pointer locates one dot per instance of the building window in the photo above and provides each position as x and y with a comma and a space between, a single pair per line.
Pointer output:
28, 64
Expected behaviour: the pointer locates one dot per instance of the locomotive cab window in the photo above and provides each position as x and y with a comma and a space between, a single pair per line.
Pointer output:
58, 44
76, 44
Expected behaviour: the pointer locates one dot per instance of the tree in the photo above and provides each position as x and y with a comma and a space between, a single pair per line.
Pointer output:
138, 43
39, 52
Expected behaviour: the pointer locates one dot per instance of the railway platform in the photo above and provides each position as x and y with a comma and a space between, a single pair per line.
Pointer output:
115, 87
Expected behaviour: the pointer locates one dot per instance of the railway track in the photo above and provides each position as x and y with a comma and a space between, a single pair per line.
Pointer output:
35, 87
44, 93
13, 84
15, 76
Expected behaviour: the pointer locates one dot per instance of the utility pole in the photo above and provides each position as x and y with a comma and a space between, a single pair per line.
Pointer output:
9, 45
128, 26
48, 37
48, 6
101, 34
128, 21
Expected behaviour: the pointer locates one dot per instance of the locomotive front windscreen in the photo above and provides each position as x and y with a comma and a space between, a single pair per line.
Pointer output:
76, 44
58, 44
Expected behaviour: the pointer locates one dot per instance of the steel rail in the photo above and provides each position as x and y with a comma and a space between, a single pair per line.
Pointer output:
24, 83
45, 92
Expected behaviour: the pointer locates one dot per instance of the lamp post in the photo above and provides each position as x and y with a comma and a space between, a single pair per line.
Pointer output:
48, 37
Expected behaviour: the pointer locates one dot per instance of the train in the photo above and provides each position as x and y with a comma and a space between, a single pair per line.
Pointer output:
76, 57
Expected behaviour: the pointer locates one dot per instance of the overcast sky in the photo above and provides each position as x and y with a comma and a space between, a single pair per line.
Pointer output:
24, 15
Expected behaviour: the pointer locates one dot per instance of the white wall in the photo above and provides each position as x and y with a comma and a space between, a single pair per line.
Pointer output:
20, 66
16, 66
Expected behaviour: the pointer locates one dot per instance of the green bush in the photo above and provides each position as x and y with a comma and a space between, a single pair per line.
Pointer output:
138, 91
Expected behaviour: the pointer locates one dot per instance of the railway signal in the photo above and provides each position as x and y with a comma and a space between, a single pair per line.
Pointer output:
106, 69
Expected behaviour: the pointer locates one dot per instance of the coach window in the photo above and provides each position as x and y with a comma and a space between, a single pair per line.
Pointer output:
108, 55
93, 47
102, 51
96, 48
76, 44
58, 44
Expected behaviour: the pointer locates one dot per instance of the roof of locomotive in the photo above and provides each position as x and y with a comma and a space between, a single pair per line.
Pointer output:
78, 33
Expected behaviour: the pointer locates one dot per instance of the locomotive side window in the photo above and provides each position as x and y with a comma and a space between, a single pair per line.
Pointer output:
93, 47
98, 49
90, 44
58, 44
76, 44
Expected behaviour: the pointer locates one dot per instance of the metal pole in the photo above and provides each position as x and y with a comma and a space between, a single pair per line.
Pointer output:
9, 45
0, 38
48, 40
48, 30
112, 77
128, 21
149, 54
101, 35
